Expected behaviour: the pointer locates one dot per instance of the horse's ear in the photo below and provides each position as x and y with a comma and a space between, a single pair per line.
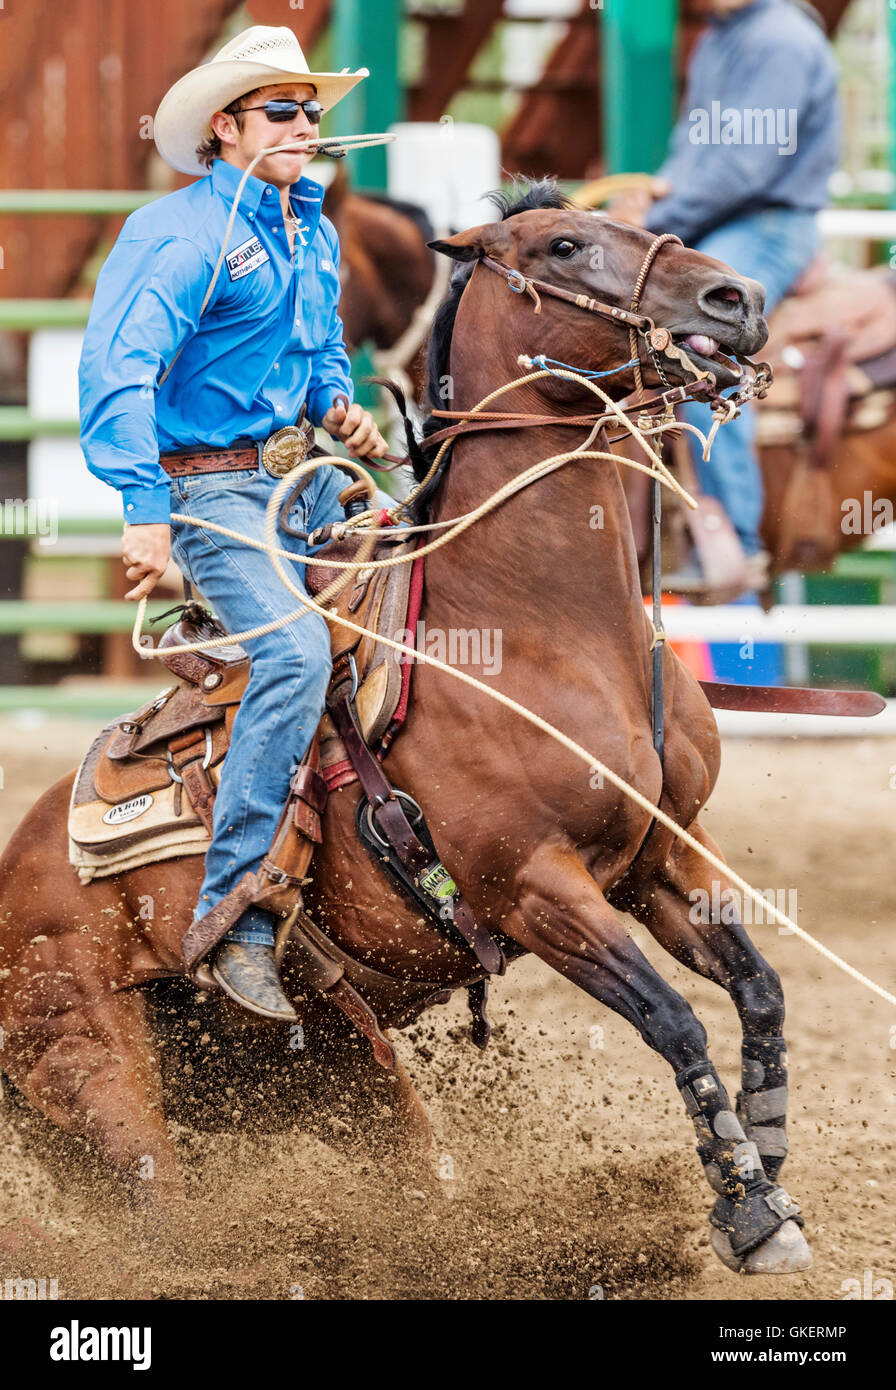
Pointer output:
466, 246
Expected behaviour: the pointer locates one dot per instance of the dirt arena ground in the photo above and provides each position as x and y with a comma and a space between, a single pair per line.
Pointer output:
567, 1161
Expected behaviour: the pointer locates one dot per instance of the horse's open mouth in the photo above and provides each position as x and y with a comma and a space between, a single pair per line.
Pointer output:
708, 355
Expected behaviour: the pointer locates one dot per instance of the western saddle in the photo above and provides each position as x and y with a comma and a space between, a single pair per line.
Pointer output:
832, 344
145, 790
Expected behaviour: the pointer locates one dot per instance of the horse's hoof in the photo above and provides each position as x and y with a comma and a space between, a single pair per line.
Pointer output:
785, 1252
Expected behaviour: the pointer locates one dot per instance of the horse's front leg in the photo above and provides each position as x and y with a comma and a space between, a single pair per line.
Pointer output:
565, 919
691, 912
94, 1071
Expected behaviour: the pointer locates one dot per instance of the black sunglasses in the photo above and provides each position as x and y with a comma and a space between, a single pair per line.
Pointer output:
279, 111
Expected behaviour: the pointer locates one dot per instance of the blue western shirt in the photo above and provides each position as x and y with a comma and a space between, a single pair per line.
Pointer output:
269, 339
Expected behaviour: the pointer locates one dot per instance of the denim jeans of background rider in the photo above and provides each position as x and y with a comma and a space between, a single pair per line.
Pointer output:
774, 247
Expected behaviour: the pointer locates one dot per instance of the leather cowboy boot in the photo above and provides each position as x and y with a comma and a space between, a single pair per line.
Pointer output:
248, 971
249, 974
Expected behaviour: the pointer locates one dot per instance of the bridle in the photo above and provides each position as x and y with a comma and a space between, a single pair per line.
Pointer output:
658, 341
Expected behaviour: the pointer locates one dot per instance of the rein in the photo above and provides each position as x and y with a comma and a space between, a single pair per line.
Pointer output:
509, 420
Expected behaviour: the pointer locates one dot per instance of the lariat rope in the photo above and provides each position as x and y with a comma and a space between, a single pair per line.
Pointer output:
657, 469
308, 605
339, 143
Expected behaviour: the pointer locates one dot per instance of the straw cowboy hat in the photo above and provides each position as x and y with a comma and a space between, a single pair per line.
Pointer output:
258, 57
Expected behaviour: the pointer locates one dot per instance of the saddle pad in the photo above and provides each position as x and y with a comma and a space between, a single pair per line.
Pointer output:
106, 839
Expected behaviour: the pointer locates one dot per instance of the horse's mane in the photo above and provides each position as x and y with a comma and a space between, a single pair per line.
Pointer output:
525, 196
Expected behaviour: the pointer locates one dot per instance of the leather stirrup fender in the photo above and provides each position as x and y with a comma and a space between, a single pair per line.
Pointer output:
283, 869
399, 832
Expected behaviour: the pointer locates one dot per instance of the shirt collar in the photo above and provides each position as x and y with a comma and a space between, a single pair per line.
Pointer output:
226, 180
307, 190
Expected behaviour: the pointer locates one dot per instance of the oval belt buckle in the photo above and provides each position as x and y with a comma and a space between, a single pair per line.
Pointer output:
284, 450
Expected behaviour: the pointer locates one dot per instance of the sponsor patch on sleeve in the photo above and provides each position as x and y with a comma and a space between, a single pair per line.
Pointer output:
245, 258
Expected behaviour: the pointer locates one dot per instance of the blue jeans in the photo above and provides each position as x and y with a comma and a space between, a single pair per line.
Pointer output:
774, 247
290, 667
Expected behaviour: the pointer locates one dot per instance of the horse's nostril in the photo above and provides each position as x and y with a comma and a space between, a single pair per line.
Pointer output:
727, 294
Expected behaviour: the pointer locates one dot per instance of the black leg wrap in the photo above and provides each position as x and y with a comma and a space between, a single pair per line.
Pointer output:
754, 1217
730, 1160
749, 1208
762, 1104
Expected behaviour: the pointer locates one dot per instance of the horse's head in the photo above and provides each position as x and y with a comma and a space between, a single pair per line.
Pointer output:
710, 310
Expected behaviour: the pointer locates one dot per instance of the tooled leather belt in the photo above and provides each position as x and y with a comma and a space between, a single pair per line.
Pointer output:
182, 463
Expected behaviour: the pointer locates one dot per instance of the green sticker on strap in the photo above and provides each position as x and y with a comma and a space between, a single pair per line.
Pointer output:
437, 882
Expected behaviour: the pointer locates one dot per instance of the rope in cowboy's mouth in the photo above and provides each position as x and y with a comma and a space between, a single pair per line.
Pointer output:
308, 604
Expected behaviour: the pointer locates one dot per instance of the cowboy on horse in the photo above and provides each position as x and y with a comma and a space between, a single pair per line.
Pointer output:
180, 396
748, 169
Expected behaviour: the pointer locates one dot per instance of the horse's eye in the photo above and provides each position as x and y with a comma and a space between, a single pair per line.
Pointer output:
563, 248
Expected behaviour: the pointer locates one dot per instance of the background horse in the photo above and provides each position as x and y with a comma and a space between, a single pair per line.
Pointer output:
387, 270
543, 855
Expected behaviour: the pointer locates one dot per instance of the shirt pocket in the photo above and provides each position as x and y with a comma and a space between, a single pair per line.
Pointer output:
314, 309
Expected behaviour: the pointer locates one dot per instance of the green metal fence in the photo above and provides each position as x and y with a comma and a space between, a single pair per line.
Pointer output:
637, 82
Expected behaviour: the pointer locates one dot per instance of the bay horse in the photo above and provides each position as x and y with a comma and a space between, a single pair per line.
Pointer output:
96, 1039
388, 277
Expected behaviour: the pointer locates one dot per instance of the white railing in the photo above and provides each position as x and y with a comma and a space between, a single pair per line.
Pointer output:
819, 624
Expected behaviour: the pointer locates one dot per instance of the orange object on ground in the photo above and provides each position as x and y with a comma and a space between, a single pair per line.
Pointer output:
695, 655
